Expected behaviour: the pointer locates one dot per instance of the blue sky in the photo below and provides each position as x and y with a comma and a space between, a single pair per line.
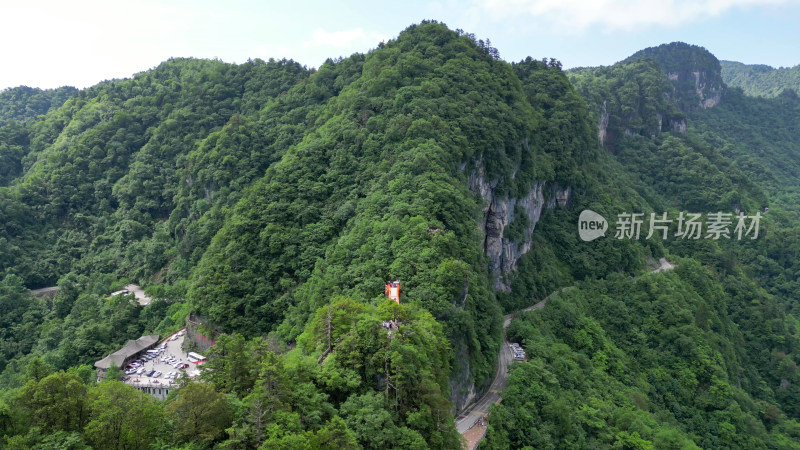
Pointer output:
80, 43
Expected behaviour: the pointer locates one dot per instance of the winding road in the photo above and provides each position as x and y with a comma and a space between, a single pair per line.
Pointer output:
480, 408
45, 292
138, 292
470, 415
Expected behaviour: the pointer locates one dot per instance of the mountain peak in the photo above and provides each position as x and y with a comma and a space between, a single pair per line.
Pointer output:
694, 72
679, 55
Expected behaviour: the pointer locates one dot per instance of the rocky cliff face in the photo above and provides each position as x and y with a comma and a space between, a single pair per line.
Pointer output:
499, 213
462, 389
710, 94
695, 74
602, 124
652, 110
707, 86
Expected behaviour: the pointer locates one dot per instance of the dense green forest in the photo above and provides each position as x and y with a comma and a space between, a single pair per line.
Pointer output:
272, 202
703, 356
759, 80
23, 104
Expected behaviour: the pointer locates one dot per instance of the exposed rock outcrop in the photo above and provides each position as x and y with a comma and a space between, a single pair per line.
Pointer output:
709, 94
696, 87
462, 388
602, 124
673, 124
695, 74
678, 125
499, 213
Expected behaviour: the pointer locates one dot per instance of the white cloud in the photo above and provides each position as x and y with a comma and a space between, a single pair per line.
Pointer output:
614, 15
346, 39
51, 43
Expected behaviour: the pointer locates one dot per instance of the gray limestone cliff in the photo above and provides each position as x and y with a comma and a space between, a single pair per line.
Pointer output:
695, 74
602, 124
705, 85
499, 211
650, 107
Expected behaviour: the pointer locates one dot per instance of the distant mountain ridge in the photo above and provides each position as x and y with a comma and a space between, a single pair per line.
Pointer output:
25, 103
760, 80
270, 203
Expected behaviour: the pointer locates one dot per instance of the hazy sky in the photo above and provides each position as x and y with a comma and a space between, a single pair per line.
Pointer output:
53, 43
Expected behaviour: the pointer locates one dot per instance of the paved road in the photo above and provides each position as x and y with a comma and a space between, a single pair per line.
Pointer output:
492, 396
137, 291
48, 292
471, 414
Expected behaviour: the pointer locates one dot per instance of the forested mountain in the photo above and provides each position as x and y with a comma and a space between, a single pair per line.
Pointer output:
23, 103
699, 356
17, 107
271, 202
759, 80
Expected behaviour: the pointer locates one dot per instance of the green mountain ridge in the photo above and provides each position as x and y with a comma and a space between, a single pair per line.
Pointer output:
760, 80
23, 103
272, 202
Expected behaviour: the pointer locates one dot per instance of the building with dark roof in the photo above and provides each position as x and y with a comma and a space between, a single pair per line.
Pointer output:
126, 354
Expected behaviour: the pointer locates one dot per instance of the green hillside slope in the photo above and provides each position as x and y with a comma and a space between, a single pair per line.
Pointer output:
22, 104
759, 80
689, 357
270, 203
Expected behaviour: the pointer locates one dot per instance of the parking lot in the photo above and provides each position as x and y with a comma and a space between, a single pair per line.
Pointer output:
163, 365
